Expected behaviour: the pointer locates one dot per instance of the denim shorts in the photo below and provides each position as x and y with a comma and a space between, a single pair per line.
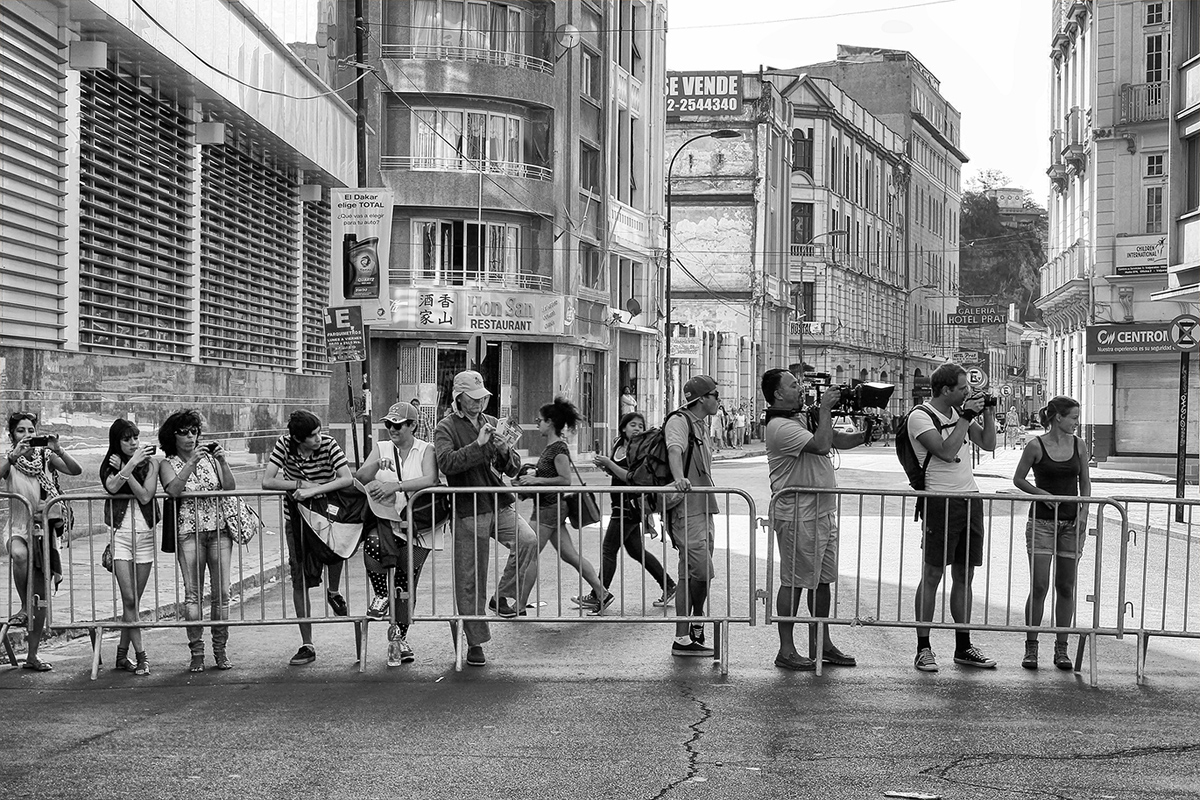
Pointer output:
1044, 537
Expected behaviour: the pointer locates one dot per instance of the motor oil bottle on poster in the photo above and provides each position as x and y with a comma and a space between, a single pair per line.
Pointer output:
360, 267
361, 232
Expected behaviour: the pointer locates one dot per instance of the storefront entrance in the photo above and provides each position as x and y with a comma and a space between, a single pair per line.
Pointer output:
451, 360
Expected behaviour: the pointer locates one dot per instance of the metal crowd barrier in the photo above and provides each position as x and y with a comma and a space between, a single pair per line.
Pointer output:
1161, 566
12, 596
880, 558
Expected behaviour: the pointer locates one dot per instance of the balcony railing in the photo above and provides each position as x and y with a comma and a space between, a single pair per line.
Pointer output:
487, 279
445, 52
814, 251
1142, 102
460, 164
1069, 265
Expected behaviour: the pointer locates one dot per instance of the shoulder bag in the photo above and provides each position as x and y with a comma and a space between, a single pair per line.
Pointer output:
241, 521
582, 507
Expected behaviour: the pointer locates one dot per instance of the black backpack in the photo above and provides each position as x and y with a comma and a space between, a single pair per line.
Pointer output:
914, 467
647, 460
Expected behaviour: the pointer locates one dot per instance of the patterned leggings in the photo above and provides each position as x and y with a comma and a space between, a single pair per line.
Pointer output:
379, 579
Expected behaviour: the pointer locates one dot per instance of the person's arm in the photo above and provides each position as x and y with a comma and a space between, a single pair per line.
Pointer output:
275, 482
225, 477
366, 473
310, 489
985, 435
611, 467
1029, 457
119, 477
174, 482
61, 460
453, 460
947, 449
676, 449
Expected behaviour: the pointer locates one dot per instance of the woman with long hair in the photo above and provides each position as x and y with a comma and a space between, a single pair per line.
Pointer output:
549, 515
128, 468
30, 469
201, 542
625, 526
1056, 531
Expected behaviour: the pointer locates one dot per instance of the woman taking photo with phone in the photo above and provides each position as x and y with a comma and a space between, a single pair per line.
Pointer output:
128, 469
30, 470
200, 542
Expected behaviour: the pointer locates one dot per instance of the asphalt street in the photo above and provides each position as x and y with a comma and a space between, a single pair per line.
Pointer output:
602, 710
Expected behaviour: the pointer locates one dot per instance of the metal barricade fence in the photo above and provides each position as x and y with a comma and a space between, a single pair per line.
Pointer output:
450, 589
91, 598
1161, 567
880, 565
18, 521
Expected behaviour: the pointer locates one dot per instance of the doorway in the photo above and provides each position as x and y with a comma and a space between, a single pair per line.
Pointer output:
451, 360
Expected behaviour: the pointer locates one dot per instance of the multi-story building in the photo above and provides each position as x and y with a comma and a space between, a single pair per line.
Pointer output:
516, 139
1109, 170
848, 178
900, 92
729, 200
164, 185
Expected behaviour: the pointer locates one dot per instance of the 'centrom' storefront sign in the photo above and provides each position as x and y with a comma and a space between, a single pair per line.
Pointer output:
454, 309
692, 93
1106, 343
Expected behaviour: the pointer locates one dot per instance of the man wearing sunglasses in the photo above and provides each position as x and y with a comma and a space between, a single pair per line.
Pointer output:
689, 517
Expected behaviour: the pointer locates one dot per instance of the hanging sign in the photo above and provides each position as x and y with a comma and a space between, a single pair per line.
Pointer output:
361, 237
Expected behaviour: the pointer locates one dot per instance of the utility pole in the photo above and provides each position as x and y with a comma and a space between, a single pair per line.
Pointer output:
360, 124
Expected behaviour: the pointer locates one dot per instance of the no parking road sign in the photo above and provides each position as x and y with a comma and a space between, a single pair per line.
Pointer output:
1184, 333
977, 378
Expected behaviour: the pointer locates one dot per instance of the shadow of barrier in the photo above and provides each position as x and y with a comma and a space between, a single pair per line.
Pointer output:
451, 585
881, 551
1162, 565
18, 522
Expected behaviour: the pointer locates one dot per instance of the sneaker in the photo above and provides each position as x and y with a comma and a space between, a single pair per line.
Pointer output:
667, 596
378, 607
399, 652
598, 609
586, 600
307, 654
337, 604
926, 661
697, 633
475, 656
692, 649
1061, 659
505, 608
1031, 655
973, 657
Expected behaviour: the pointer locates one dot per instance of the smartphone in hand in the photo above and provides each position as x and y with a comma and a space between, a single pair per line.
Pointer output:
211, 447
38, 441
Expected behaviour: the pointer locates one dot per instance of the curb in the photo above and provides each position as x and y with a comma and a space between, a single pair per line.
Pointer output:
1098, 479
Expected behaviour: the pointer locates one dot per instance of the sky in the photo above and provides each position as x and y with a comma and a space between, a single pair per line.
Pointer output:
992, 59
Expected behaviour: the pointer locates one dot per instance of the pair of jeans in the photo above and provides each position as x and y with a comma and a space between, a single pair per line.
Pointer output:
195, 553
625, 528
471, 551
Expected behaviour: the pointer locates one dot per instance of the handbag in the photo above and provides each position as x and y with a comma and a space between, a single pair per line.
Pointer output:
170, 525
241, 521
106, 557
582, 507
430, 511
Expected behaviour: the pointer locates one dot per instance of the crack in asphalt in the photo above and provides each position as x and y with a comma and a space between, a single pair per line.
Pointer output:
693, 754
991, 759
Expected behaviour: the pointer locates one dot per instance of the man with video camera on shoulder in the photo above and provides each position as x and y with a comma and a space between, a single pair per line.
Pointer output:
805, 525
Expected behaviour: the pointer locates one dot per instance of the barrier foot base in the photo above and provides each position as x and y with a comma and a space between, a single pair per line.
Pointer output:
457, 633
8, 648
361, 635
97, 635
721, 645
1143, 644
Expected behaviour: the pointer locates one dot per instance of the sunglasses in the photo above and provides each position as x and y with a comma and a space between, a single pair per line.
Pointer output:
717, 395
387, 423
191, 429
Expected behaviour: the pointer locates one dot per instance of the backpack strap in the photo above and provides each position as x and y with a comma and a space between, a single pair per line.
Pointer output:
687, 457
938, 426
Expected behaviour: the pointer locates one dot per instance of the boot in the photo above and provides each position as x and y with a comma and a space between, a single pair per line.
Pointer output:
1031, 654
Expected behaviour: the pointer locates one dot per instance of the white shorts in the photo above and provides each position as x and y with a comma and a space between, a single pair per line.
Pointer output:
134, 541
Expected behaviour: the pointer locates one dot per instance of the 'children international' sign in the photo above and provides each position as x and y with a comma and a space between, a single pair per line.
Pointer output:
694, 93
1141, 255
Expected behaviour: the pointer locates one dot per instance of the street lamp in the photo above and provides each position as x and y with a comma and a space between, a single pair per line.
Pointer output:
904, 350
724, 133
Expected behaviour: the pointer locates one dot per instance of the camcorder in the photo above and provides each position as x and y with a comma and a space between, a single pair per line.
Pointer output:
864, 400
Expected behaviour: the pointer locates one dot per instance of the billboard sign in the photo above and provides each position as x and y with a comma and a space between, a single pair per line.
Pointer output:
1141, 255
978, 315
361, 237
1132, 342
344, 335
461, 310
699, 93
685, 348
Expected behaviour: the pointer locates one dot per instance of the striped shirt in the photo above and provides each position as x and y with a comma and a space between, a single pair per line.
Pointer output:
321, 467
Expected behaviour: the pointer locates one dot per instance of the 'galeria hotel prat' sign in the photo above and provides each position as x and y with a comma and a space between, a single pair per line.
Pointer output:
1141, 255
461, 310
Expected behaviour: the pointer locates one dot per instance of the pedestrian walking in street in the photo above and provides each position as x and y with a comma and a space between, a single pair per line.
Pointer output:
941, 432
307, 463
740, 435
129, 468
30, 470
628, 521
262, 433
689, 517
1056, 531
468, 454
397, 467
201, 541
805, 525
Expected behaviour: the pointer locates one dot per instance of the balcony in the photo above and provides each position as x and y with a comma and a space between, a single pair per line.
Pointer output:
1143, 102
462, 164
488, 279
1064, 279
628, 226
476, 55
1078, 129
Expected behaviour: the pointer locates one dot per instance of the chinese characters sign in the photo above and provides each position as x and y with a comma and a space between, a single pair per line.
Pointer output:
454, 309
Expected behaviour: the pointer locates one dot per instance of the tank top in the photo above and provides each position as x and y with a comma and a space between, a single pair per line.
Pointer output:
1060, 478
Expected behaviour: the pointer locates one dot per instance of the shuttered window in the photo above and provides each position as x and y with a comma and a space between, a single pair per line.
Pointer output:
316, 285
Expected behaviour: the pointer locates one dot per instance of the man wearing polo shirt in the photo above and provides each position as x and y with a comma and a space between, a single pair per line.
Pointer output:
690, 519
943, 429
468, 456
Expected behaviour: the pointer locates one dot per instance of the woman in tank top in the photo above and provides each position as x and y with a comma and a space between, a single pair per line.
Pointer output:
1055, 533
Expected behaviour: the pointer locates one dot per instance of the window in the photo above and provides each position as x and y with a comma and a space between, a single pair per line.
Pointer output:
802, 223
589, 168
1192, 155
802, 152
1154, 58
1154, 166
590, 274
1154, 209
1154, 13
461, 252
590, 82
480, 31
489, 141
808, 300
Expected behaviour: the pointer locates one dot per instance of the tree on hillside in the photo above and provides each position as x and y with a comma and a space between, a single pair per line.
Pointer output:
1000, 254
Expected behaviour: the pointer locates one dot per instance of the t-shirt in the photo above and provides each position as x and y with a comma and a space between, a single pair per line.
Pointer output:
699, 471
547, 469
322, 467
942, 476
791, 466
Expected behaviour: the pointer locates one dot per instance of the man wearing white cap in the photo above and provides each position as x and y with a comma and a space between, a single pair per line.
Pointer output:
690, 520
468, 456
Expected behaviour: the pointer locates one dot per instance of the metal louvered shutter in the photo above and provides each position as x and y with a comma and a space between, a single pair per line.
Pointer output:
32, 179
316, 286
135, 219
249, 254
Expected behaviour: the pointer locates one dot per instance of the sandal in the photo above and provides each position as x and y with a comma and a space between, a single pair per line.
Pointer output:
37, 665
123, 664
18, 620
223, 661
197, 663
143, 664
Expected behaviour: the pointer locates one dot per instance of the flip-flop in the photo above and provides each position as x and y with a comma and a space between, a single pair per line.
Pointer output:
37, 666
18, 620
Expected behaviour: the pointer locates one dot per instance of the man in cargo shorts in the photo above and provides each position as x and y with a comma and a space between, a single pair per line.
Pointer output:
805, 525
